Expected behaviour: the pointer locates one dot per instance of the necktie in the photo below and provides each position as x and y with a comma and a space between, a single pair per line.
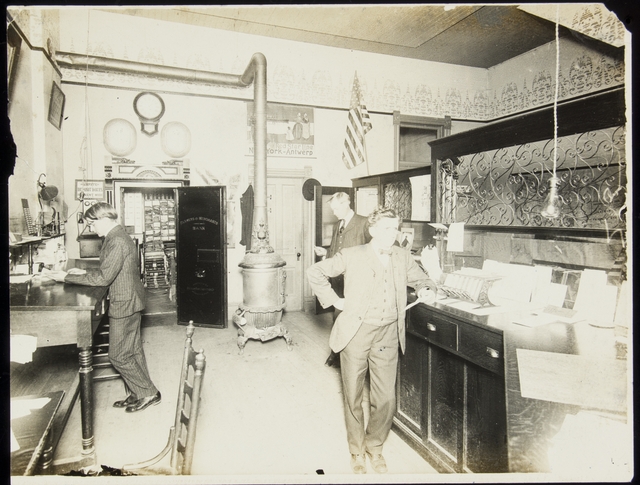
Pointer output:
341, 226
384, 251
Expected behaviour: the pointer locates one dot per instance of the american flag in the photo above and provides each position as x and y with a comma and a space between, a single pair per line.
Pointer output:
354, 151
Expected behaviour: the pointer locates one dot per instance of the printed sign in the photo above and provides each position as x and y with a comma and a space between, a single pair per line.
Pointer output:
89, 189
290, 131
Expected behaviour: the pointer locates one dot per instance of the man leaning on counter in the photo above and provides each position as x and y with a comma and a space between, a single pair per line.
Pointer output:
119, 271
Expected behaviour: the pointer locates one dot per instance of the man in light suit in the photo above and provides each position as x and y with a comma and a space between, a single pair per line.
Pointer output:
119, 270
350, 230
370, 328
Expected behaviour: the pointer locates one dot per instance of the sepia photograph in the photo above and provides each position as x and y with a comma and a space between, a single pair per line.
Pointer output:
300, 243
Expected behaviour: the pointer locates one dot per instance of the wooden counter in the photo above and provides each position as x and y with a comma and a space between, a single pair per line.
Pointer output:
61, 314
460, 401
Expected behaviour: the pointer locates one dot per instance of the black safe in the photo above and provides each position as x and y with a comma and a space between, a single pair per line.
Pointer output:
201, 257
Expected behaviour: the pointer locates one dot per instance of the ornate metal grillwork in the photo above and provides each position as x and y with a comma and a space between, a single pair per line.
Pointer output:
508, 186
397, 196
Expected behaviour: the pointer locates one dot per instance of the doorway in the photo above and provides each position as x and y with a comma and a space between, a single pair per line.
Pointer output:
284, 217
286, 223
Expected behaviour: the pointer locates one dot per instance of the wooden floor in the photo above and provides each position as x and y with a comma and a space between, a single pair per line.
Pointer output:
267, 413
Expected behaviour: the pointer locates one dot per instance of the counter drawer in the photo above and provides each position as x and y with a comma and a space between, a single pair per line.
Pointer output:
483, 348
437, 331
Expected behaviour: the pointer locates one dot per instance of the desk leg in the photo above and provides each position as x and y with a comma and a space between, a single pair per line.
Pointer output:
86, 402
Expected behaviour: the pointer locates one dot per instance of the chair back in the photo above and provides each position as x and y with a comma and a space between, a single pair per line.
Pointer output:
187, 407
182, 435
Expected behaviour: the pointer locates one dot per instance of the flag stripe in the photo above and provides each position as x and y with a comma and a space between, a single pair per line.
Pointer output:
358, 125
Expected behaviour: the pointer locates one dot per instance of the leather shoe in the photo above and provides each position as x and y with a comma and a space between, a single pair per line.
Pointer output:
358, 464
333, 360
131, 399
144, 403
378, 462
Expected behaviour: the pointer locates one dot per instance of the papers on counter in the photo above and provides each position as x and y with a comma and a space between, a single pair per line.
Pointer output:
22, 348
596, 298
455, 237
548, 314
20, 278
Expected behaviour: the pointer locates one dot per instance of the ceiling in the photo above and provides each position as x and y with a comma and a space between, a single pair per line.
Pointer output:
469, 35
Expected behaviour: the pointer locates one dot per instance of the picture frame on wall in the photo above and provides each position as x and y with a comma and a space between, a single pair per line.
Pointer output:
56, 105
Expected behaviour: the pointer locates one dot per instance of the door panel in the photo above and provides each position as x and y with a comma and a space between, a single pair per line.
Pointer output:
201, 256
284, 216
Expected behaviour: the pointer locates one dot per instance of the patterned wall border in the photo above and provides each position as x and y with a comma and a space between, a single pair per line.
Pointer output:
582, 75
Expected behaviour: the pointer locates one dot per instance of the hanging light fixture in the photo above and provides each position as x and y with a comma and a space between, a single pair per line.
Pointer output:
551, 207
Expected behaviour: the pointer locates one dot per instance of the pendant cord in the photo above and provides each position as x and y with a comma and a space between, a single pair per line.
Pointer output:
555, 98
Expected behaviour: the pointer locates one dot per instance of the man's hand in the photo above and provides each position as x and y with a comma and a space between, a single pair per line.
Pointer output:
320, 251
76, 271
427, 295
339, 304
54, 275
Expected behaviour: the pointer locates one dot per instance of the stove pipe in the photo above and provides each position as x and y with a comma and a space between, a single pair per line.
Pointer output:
263, 276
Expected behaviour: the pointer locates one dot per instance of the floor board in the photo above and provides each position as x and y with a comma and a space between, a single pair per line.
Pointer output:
269, 412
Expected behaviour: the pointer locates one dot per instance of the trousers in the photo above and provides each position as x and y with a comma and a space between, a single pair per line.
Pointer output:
127, 355
373, 349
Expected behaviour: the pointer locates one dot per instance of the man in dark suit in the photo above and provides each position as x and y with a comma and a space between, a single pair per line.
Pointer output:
120, 271
369, 329
350, 230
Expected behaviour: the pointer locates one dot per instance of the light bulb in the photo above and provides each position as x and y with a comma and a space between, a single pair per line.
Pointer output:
552, 202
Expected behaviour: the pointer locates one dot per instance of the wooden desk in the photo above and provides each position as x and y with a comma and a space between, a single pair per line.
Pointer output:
33, 434
61, 314
461, 403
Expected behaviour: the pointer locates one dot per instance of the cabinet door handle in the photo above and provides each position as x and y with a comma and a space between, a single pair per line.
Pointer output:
494, 354
431, 327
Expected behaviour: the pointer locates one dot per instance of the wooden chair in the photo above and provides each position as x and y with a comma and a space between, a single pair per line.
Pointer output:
182, 434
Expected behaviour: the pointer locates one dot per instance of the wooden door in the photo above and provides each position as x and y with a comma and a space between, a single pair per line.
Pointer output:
485, 440
445, 390
285, 220
412, 366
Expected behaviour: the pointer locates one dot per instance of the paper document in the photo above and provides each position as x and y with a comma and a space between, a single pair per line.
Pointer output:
573, 379
23, 407
455, 237
534, 320
22, 348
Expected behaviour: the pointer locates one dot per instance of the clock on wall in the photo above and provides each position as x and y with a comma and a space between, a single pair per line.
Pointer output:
149, 107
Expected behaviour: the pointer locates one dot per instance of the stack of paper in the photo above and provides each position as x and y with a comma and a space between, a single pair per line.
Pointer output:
596, 300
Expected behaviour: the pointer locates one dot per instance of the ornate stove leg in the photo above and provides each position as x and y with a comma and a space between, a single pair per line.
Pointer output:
242, 341
287, 338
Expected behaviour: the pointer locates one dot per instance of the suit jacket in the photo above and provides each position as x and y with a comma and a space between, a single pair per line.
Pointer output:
354, 234
120, 271
359, 264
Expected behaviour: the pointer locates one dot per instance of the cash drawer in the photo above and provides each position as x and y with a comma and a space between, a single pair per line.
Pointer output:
437, 331
482, 347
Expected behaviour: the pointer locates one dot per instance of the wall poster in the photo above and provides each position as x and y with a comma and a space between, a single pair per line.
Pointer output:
290, 131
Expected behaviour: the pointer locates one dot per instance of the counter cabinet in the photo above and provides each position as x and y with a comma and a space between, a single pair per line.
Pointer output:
451, 394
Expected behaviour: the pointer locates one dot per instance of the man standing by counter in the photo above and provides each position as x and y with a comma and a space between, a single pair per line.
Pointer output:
119, 270
350, 230
370, 327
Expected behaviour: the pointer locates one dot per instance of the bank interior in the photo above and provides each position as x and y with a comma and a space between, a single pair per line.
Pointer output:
220, 133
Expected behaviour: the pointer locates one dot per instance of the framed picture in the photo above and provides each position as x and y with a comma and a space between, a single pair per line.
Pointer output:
56, 106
